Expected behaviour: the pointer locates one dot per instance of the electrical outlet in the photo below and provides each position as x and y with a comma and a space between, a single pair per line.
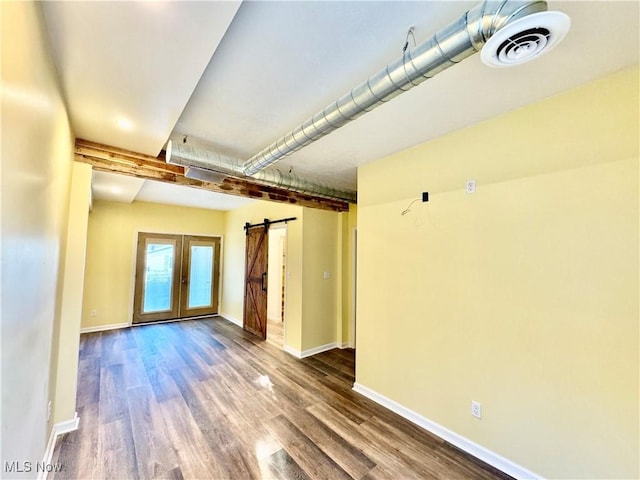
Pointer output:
476, 409
326, 275
94, 313
470, 186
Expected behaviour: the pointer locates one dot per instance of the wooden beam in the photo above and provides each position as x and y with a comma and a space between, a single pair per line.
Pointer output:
105, 158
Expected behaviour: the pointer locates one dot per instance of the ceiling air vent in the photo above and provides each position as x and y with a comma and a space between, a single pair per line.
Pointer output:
525, 39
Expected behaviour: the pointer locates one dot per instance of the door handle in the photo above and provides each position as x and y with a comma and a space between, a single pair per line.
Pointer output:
264, 286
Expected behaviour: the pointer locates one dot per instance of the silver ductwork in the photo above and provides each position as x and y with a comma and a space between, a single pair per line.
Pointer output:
525, 30
212, 166
451, 45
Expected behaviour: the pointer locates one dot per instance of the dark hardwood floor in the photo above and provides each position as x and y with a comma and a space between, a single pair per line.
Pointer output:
203, 399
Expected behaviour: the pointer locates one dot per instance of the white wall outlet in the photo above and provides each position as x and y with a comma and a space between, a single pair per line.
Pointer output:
476, 409
470, 186
49, 411
94, 313
326, 275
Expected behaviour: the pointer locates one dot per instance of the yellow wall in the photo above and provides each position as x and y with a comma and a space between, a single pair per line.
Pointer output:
110, 270
313, 247
64, 374
522, 296
349, 221
320, 295
37, 149
234, 258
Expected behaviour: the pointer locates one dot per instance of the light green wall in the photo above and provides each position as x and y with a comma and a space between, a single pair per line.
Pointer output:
37, 153
523, 296
111, 251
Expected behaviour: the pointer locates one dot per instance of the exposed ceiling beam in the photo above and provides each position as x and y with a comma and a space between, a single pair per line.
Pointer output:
105, 158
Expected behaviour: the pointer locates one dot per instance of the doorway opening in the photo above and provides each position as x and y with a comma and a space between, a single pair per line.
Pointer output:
276, 281
176, 277
256, 279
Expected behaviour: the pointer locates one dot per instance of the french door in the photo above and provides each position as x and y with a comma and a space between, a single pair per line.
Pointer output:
176, 277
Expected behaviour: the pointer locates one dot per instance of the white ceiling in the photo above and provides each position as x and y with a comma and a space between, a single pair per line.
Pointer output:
116, 188
276, 63
129, 68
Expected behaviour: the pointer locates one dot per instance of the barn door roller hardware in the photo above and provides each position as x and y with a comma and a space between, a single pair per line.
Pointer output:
266, 223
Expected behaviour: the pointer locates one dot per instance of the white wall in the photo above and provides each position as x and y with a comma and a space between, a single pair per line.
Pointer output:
274, 276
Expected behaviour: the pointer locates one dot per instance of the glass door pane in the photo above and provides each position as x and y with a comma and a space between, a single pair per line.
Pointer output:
158, 277
157, 284
200, 276
200, 273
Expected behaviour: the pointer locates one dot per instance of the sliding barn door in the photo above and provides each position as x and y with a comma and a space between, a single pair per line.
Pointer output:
255, 290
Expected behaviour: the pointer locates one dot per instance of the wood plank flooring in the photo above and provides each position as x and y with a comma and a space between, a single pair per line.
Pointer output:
275, 333
203, 399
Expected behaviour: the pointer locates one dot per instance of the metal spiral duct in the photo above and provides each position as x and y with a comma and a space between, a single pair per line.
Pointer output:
207, 161
451, 45
508, 32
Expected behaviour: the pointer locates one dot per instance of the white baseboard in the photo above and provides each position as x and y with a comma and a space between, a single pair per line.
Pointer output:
345, 345
57, 430
104, 328
320, 349
311, 351
232, 319
492, 458
292, 351
287, 348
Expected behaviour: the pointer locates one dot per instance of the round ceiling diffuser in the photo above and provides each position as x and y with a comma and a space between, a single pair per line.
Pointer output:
525, 39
